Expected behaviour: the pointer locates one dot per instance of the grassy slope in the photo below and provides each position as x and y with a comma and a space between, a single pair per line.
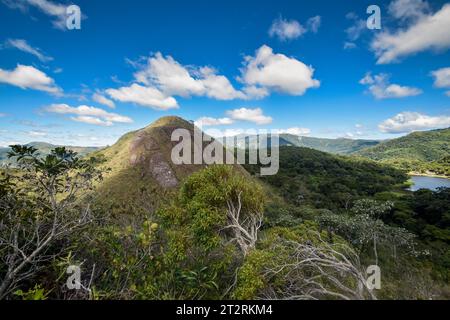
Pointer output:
132, 183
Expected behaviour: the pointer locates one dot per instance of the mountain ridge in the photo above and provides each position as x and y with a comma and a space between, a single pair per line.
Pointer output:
343, 146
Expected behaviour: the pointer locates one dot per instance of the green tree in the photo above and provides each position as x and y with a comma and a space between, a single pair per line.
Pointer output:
214, 223
40, 208
364, 226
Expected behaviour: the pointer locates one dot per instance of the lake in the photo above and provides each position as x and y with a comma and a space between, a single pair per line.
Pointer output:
431, 183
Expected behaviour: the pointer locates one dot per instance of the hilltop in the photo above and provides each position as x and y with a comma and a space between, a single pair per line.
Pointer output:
142, 172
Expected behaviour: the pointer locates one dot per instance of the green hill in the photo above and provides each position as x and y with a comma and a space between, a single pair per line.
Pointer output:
421, 152
142, 173
323, 180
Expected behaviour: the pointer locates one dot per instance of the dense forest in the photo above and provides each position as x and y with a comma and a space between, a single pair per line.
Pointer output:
328, 181
310, 180
140, 228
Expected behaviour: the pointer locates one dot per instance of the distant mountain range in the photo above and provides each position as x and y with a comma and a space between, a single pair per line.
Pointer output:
421, 152
336, 146
425, 152
44, 148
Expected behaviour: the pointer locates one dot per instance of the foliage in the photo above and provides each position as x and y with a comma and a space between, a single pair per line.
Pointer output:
205, 195
37, 293
250, 278
373, 208
309, 177
365, 226
197, 232
184, 250
40, 209
297, 263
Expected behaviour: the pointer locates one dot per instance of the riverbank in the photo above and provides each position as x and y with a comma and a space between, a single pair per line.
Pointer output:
428, 174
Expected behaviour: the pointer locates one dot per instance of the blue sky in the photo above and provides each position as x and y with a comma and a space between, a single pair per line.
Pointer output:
298, 66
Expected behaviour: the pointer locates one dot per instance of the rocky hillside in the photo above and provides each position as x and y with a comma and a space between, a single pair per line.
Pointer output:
142, 172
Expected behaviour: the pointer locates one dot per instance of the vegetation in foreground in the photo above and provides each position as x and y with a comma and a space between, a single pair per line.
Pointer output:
224, 235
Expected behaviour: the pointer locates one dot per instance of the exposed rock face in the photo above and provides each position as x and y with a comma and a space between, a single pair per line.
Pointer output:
139, 146
146, 153
162, 172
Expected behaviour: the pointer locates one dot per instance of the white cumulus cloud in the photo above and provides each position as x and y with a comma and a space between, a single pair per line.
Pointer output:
88, 114
218, 86
144, 96
426, 32
28, 77
162, 78
441, 78
172, 78
252, 115
277, 72
285, 29
255, 92
97, 97
413, 121
380, 88
408, 9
